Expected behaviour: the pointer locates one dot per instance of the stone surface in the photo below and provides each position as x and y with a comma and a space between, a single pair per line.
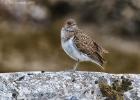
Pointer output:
69, 86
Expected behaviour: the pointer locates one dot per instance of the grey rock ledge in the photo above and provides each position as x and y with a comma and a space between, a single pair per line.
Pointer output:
69, 86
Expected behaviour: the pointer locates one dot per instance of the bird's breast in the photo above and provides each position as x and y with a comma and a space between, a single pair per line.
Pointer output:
71, 50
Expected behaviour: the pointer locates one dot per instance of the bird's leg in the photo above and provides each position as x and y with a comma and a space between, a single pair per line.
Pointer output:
76, 65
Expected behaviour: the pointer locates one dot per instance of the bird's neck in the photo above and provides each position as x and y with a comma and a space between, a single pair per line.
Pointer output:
67, 34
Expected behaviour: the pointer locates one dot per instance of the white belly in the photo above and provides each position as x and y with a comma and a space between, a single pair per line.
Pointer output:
72, 51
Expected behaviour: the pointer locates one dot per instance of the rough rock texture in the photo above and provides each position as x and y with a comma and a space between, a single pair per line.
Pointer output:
69, 86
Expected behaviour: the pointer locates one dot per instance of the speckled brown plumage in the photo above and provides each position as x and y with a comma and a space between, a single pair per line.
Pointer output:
85, 48
88, 46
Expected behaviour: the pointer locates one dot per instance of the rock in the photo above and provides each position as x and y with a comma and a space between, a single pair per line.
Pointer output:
26, 9
69, 86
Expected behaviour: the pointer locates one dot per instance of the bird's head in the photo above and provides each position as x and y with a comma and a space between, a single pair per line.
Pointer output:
70, 24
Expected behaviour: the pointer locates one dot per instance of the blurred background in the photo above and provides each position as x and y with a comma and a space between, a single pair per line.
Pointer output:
30, 33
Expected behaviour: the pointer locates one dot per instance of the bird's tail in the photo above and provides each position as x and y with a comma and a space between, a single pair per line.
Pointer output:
98, 59
105, 51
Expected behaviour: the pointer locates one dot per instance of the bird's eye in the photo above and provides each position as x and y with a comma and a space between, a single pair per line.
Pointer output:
69, 23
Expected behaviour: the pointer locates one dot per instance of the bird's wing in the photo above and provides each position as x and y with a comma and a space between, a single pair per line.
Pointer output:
88, 46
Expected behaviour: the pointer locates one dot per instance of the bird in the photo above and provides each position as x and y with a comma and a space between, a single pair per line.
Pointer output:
80, 46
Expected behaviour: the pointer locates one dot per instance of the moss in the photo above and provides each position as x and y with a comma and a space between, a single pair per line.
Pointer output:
123, 85
116, 90
126, 84
110, 93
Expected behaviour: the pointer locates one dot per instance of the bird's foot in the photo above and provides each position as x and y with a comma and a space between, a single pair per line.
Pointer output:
70, 70
74, 68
